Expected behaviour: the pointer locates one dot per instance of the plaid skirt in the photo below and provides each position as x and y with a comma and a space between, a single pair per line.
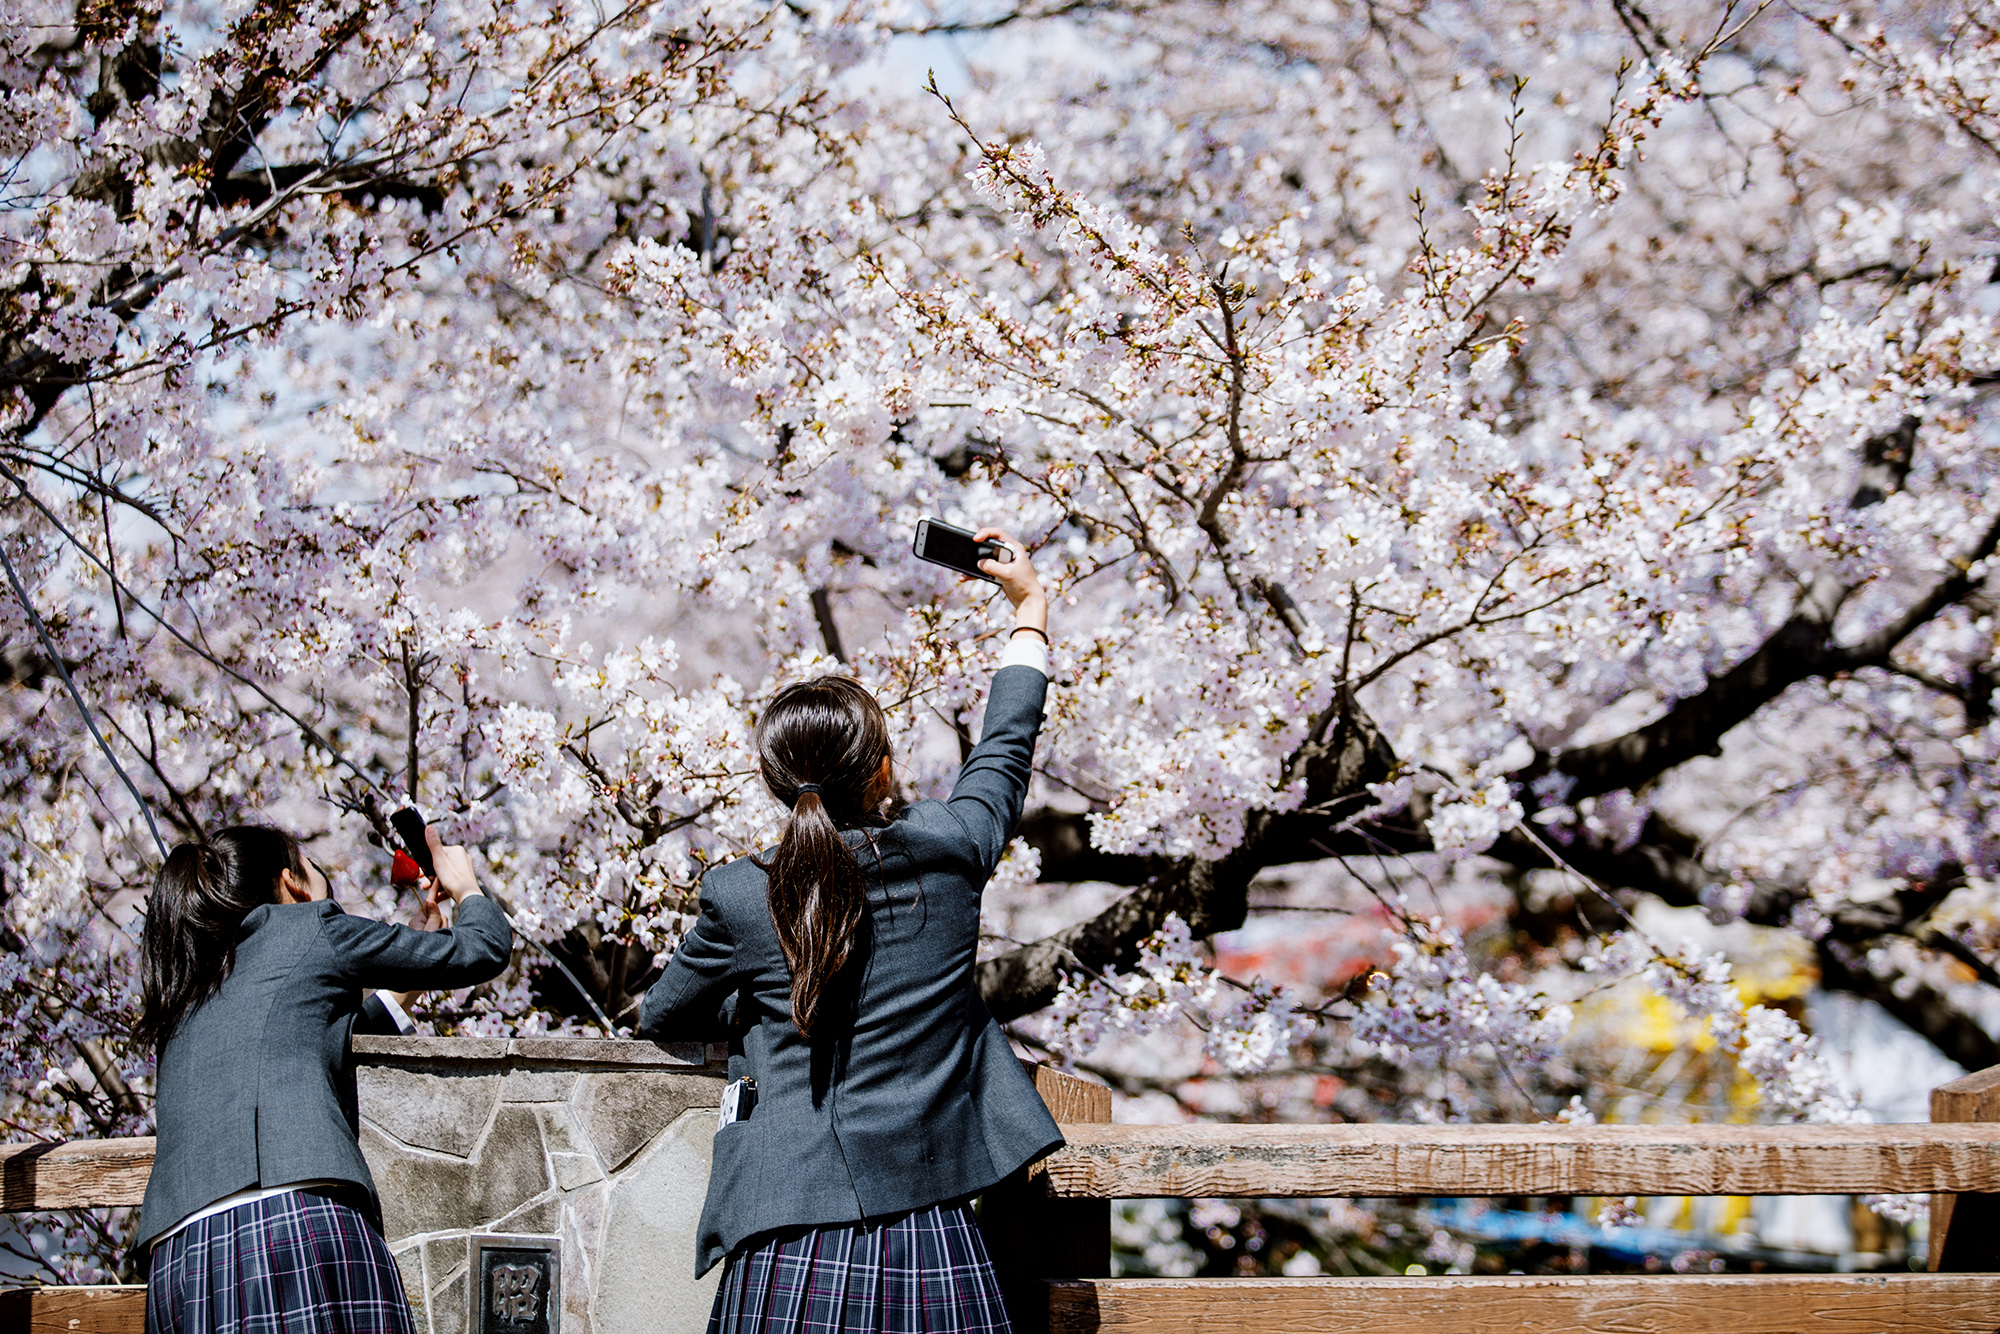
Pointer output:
301, 1263
923, 1273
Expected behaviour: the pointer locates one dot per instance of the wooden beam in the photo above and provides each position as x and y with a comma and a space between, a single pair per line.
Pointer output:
98, 1310
1114, 1162
1070, 1099
1965, 1229
1672, 1304
78, 1175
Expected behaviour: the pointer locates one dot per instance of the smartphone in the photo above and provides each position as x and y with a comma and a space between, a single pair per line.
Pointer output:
956, 549
409, 826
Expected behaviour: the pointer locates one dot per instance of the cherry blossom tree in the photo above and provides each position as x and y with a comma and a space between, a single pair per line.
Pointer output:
1540, 446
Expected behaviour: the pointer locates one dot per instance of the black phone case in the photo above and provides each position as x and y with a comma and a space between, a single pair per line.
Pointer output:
987, 550
409, 828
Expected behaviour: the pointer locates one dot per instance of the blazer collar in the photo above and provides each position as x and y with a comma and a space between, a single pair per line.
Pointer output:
263, 913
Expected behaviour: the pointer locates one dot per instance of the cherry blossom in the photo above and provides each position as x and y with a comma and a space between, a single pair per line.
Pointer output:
1495, 457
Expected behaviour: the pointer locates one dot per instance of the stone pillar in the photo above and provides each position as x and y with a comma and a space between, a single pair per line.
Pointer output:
603, 1144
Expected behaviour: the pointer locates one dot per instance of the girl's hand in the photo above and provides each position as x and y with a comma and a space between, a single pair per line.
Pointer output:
428, 916
454, 867
1018, 581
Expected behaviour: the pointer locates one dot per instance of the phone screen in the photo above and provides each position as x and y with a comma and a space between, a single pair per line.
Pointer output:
951, 547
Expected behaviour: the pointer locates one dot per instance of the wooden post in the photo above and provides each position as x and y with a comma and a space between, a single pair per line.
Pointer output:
1965, 1229
1033, 1238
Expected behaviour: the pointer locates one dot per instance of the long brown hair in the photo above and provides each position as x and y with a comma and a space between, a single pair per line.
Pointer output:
820, 746
200, 898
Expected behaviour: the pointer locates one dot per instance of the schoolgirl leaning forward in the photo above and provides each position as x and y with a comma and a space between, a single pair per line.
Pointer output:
260, 1212
840, 967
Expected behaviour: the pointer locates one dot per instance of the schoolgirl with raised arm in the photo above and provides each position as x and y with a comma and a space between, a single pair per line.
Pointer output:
260, 1213
881, 1096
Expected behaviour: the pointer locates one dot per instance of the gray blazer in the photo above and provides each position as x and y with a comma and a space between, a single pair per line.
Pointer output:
919, 1100
255, 1088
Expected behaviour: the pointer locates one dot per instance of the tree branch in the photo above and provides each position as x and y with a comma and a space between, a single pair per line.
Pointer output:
1921, 1006
1344, 752
1801, 649
829, 629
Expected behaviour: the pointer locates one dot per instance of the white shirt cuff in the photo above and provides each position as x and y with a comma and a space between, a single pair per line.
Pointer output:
397, 1015
1026, 651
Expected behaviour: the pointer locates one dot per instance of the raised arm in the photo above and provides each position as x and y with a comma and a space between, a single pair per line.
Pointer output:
400, 960
993, 783
986, 800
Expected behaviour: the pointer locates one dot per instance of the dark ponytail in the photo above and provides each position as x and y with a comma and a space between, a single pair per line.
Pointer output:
199, 901
820, 746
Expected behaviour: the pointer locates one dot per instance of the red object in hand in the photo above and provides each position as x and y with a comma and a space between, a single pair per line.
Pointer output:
404, 870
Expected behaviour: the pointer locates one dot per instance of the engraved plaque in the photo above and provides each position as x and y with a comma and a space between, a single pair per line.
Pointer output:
516, 1285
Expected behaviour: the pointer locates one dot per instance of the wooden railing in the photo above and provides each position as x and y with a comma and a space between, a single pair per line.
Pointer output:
1054, 1258
1050, 1229
87, 1174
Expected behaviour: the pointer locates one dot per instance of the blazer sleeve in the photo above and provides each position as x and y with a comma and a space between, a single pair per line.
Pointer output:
474, 949
694, 999
993, 783
382, 1017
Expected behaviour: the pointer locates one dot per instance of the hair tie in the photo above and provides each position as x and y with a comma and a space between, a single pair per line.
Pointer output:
803, 789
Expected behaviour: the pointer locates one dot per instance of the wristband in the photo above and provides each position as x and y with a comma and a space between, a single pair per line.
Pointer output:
1031, 630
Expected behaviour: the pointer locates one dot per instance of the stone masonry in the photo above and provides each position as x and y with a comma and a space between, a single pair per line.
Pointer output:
602, 1143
